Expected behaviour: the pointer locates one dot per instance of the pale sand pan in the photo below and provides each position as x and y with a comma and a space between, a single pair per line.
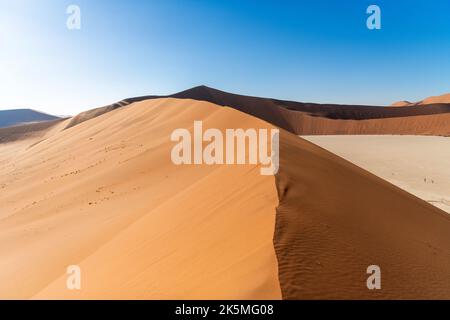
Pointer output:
417, 164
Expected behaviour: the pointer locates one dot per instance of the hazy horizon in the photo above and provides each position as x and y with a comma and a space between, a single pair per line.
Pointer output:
314, 52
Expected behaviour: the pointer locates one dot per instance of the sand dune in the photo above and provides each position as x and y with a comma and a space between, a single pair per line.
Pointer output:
432, 125
335, 219
93, 113
22, 116
417, 164
403, 103
105, 195
317, 119
29, 131
312, 118
444, 98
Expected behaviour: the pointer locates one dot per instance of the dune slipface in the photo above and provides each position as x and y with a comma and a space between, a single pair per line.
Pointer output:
104, 195
335, 219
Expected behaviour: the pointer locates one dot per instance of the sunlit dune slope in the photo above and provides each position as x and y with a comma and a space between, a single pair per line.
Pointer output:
105, 195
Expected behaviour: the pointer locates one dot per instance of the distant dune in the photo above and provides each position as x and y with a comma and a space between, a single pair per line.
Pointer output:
445, 98
104, 195
403, 103
22, 116
27, 131
315, 119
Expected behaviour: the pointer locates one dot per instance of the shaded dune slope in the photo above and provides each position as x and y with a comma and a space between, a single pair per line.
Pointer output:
437, 124
251, 105
93, 113
311, 118
335, 219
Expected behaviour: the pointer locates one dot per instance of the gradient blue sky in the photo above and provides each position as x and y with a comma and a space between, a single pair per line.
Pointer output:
318, 51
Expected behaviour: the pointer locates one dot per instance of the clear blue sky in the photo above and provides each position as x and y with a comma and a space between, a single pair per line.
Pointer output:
318, 51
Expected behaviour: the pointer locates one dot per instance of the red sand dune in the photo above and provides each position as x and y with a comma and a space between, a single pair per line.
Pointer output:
402, 103
335, 219
436, 125
104, 195
444, 98
24, 131
314, 119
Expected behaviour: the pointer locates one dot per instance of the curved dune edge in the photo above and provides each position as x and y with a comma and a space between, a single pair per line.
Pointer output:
104, 195
312, 118
335, 219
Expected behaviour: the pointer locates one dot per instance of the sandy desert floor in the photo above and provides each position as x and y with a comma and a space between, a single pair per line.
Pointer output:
417, 164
